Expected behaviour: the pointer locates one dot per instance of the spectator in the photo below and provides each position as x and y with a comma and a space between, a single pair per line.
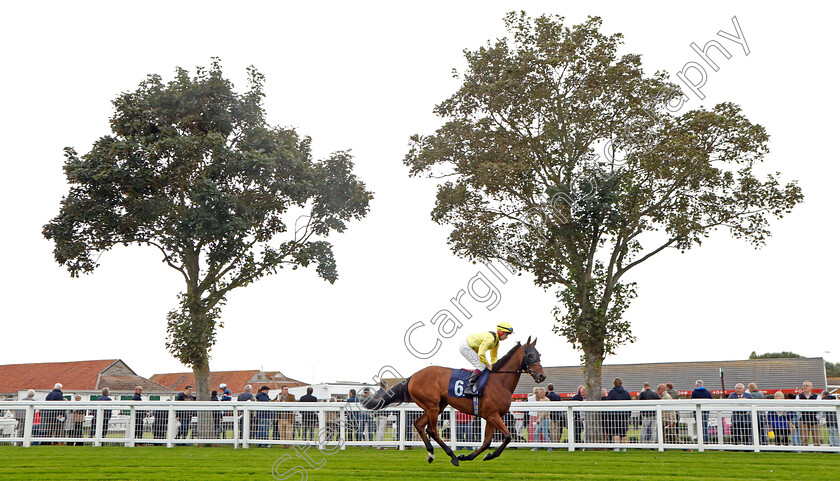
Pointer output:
533, 416
579, 396
246, 396
76, 421
262, 417
519, 424
106, 414
184, 415
558, 418
273, 421
752, 388
617, 421
701, 392
741, 421
226, 394
333, 423
411, 416
353, 411
56, 394
139, 415
310, 418
382, 418
514, 427
285, 419
217, 416
809, 426
649, 433
777, 424
669, 386
831, 421
669, 418
543, 422
20, 414
793, 418
366, 419
464, 431
606, 418
36, 425
50, 423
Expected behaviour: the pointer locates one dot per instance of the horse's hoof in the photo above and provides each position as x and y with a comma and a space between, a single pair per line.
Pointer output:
462, 457
430, 457
455, 461
488, 456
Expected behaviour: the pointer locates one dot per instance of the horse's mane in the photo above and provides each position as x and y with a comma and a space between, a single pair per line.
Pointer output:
506, 357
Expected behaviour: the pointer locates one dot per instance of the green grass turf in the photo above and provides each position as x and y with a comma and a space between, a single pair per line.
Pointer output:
224, 463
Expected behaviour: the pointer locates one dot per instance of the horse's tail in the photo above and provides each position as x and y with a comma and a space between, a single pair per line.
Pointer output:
397, 394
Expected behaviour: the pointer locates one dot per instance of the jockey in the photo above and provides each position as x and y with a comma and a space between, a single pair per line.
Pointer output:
477, 345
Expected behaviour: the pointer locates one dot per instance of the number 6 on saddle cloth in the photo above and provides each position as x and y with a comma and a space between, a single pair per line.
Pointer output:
459, 378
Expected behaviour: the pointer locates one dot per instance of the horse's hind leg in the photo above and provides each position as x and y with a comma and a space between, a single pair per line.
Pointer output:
497, 423
431, 429
420, 425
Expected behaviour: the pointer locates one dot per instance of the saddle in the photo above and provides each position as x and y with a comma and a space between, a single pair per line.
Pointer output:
460, 377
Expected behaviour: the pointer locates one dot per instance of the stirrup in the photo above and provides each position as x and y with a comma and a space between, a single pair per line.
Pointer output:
472, 384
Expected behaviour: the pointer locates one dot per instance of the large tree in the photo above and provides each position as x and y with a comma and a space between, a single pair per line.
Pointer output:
562, 158
193, 169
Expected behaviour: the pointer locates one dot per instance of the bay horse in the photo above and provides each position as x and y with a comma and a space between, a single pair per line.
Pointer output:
428, 388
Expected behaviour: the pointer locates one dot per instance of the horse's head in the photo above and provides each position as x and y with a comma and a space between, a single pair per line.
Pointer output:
531, 361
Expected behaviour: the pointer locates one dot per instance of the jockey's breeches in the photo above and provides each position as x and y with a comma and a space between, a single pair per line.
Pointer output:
471, 356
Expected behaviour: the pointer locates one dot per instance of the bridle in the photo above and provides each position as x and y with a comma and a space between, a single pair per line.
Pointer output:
531, 356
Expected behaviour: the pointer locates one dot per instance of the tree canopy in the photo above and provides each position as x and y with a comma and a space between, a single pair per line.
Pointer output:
193, 169
775, 355
832, 369
563, 159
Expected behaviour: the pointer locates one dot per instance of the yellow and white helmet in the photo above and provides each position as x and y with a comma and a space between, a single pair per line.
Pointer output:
505, 327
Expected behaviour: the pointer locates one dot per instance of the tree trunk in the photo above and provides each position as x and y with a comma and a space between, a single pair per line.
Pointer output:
594, 427
204, 426
592, 374
202, 381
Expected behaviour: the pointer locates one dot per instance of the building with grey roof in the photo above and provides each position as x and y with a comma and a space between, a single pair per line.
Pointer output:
770, 375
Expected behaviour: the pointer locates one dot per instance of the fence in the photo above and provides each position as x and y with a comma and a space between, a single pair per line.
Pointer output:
755, 425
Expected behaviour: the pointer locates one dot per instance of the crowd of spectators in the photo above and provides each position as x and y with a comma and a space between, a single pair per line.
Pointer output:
799, 427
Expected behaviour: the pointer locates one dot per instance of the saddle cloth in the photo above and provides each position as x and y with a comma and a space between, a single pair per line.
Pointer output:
458, 382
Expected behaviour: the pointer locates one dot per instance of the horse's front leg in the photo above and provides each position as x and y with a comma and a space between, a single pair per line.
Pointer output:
496, 421
488, 438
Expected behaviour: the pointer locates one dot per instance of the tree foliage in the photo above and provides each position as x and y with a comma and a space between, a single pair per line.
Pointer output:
832, 369
193, 169
523, 178
775, 355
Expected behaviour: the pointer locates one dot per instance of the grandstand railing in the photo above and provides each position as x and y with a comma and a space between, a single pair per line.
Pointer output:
753, 425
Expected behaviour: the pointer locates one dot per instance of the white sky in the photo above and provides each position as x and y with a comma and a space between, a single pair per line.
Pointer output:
365, 78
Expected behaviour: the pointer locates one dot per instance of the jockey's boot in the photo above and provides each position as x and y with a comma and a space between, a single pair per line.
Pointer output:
470, 389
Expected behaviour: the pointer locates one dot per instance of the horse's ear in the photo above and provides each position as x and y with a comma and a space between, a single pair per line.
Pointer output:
528, 341
535, 342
